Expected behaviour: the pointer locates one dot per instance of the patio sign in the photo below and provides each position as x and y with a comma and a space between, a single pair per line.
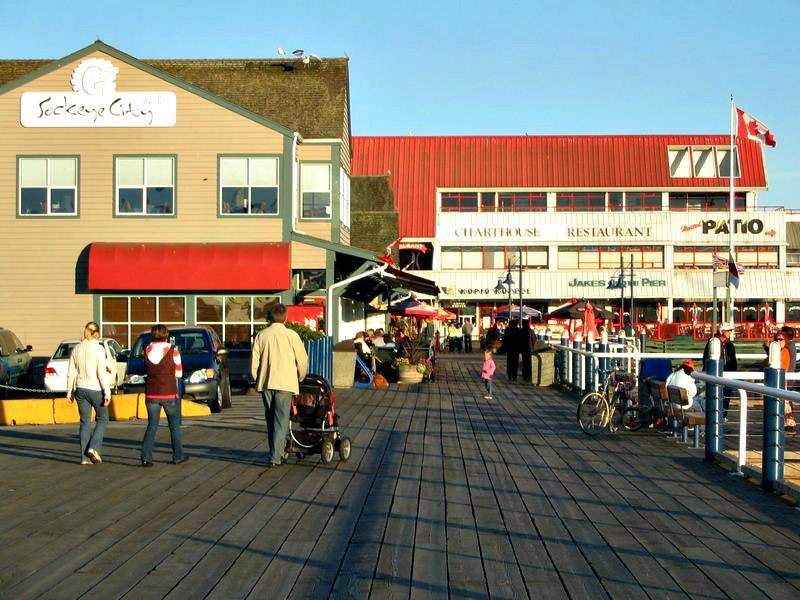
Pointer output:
95, 102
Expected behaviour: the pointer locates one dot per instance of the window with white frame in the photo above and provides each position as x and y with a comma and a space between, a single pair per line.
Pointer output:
145, 185
48, 186
124, 318
680, 164
248, 185
344, 196
724, 162
236, 319
704, 164
315, 190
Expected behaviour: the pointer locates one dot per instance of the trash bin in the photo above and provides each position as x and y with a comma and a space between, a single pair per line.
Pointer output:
344, 364
543, 368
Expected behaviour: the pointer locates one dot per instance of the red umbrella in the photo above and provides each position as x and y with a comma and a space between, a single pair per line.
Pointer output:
414, 308
589, 324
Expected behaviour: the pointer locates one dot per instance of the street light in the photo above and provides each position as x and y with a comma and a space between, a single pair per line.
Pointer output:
620, 285
501, 287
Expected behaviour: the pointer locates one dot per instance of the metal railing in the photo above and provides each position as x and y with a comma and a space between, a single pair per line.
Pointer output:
582, 370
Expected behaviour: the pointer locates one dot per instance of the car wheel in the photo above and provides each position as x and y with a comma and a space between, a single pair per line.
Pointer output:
226, 393
215, 404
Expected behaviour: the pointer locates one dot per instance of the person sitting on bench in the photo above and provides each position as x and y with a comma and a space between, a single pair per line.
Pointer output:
682, 378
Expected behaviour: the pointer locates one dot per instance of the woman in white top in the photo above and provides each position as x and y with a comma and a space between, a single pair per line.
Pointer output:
88, 378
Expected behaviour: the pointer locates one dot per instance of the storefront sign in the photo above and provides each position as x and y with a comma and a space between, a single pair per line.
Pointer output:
95, 102
413, 246
497, 232
644, 281
743, 226
613, 233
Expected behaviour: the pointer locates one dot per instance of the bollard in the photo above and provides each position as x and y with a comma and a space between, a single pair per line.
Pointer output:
713, 403
603, 362
590, 374
622, 349
564, 358
643, 341
576, 362
548, 335
774, 415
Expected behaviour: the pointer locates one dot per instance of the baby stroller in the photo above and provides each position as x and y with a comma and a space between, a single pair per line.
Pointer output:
313, 423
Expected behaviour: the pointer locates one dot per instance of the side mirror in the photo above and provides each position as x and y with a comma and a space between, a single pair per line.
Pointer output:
222, 352
122, 356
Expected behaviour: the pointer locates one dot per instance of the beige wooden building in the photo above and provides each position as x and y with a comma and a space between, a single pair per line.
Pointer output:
174, 191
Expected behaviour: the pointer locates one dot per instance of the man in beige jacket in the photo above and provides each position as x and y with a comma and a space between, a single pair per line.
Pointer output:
278, 364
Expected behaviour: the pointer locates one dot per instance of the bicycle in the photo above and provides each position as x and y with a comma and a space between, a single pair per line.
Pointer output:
600, 410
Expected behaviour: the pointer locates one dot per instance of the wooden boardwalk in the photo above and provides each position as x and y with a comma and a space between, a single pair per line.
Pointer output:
446, 495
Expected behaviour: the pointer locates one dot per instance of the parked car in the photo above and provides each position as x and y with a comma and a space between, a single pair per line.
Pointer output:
205, 373
15, 359
55, 373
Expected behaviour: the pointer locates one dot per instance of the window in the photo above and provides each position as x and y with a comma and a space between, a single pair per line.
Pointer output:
724, 162
315, 188
521, 201
236, 319
608, 257
459, 201
145, 185
705, 201
641, 201
125, 317
494, 257
309, 280
249, 185
48, 186
679, 163
757, 257
487, 202
704, 164
615, 201
580, 201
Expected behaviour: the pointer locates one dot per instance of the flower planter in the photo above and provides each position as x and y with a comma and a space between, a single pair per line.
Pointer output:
408, 374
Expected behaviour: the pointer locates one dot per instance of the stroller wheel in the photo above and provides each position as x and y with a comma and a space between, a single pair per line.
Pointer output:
327, 451
345, 446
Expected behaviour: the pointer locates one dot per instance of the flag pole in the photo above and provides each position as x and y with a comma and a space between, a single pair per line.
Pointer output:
731, 166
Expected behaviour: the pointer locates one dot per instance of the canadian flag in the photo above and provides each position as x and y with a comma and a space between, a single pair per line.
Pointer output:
753, 129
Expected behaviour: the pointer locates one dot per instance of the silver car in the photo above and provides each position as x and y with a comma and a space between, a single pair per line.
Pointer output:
15, 359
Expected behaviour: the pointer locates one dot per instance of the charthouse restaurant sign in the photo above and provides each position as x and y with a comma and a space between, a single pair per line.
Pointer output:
94, 102
570, 232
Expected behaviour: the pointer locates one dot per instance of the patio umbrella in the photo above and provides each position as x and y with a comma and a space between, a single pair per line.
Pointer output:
442, 314
413, 308
577, 310
590, 322
527, 312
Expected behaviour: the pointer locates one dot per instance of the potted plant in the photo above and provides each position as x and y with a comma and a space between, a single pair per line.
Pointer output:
414, 362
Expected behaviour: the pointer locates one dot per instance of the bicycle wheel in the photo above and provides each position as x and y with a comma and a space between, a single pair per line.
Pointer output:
593, 413
633, 418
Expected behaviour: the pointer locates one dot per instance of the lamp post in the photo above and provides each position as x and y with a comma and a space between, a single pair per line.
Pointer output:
519, 257
619, 284
501, 287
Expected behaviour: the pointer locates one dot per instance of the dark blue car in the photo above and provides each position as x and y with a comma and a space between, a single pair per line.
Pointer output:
205, 374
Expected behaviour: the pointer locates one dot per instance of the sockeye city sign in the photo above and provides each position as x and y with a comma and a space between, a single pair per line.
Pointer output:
95, 102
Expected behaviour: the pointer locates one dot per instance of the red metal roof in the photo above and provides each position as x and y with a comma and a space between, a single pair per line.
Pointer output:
420, 165
190, 267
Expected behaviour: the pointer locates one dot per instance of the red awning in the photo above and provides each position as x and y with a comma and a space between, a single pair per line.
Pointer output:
190, 267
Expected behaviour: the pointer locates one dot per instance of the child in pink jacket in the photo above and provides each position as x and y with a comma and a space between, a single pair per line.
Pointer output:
487, 372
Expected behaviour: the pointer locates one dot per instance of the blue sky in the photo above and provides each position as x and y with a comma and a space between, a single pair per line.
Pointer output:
435, 68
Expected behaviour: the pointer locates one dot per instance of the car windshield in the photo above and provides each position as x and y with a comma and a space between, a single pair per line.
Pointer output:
188, 342
64, 351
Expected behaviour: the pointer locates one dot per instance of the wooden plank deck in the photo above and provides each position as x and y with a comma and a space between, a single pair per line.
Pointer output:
446, 495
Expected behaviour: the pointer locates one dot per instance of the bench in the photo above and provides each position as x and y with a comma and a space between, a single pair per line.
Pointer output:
686, 418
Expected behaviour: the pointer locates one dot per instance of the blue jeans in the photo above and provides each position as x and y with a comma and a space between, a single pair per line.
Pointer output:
488, 384
88, 400
173, 410
277, 405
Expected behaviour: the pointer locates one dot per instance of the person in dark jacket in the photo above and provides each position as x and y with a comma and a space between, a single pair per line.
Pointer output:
164, 369
525, 346
511, 342
492, 337
727, 358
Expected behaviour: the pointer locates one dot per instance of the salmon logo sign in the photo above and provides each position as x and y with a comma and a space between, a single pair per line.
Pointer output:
95, 102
